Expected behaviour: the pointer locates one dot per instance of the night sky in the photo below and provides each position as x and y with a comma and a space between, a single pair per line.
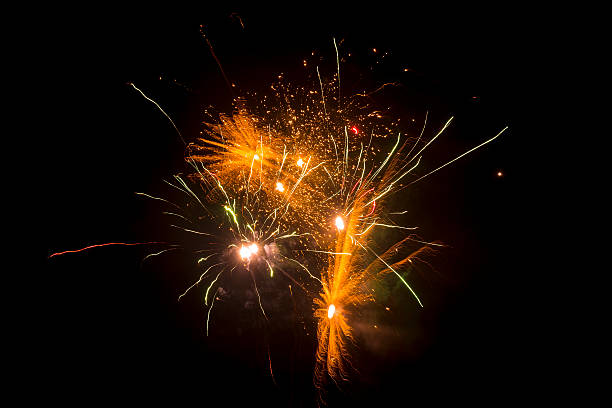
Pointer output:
111, 328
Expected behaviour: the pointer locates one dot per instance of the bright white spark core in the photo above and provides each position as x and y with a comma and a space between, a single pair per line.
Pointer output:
279, 186
339, 223
330, 311
300, 162
245, 252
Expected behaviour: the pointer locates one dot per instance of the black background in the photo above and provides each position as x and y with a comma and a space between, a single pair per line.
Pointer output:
109, 327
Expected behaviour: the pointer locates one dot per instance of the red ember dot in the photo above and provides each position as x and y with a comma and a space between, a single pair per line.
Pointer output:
355, 130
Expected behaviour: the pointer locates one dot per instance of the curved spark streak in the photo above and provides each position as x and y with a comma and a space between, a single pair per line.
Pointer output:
460, 156
106, 244
199, 280
192, 231
396, 226
177, 215
258, 296
156, 198
158, 253
210, 286
394, 271
210, 310
328, 252
303, 267
162, 111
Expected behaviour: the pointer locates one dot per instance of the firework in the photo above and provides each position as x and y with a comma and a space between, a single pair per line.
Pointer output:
354, 264
296, 182
294, 166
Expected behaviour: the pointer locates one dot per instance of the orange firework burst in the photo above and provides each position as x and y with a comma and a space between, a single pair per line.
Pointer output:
354, 265
258, 163
342, 288
235, 147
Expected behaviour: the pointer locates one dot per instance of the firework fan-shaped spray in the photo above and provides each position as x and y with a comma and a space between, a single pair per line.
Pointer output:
354, 265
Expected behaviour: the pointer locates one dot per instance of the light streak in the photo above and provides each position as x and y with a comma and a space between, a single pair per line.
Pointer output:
258, 297
157, 198
210, 310
233, 213
322, 94
190, 230
160, 108
210, 286
460, 156
199, 280
338, 64
103, 245
395, 272
270, 266
158, 253
177, 215
328, 252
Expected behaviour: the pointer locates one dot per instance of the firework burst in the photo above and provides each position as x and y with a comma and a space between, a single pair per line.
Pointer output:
296, 182
354, 265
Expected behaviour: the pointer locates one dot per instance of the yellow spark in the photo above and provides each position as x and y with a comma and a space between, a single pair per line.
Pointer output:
229, 210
